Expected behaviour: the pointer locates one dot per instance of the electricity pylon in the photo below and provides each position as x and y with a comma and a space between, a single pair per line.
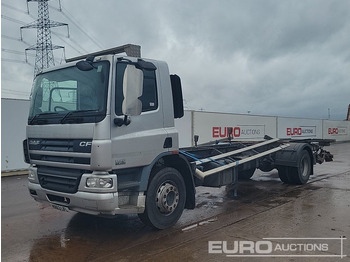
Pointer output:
44, 48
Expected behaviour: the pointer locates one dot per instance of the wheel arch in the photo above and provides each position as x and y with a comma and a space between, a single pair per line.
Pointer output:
177, 162
290, 156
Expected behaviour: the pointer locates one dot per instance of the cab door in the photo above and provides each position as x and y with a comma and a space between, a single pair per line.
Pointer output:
137, 143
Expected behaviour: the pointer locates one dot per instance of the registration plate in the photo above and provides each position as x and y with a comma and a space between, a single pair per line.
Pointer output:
60, 208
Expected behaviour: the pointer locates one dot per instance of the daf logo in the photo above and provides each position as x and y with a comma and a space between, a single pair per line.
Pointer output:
34, 142
84, 143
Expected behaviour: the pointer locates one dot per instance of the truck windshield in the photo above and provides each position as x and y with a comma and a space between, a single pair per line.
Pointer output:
70, 96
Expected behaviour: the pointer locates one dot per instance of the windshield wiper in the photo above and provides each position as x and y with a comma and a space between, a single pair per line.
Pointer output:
37, 116
70, 113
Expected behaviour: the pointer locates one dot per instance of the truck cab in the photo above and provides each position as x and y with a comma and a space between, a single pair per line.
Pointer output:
98, 129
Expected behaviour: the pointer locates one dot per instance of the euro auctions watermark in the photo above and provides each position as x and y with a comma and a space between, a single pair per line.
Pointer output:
280, 247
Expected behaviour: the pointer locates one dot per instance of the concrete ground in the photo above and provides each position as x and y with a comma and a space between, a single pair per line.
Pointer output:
318, 212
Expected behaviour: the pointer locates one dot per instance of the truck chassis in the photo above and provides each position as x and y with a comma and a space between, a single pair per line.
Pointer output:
225, 163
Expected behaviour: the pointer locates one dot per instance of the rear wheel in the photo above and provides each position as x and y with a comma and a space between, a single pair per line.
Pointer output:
165, 199
283, 174
297, 175
300, 175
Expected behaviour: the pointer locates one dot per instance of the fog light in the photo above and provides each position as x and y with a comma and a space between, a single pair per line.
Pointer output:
98, 182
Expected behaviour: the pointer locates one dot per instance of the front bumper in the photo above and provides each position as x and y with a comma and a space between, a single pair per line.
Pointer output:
94, 201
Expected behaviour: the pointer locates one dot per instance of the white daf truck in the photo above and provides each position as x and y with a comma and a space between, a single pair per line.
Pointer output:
101, 140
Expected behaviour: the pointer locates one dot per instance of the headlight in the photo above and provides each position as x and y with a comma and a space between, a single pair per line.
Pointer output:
98, 182
31, 174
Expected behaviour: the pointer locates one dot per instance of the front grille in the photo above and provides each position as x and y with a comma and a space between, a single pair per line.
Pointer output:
60, 145
53, 150
62, 159
59, 179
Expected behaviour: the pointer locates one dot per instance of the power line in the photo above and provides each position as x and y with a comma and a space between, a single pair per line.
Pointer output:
55, 8
12, 19
77, 25
11, 38
22, 41
13, 60
75, 45
60, 37
15, 39
70, 44
68, 16
16, 61
10, 51
15, 52
14, 8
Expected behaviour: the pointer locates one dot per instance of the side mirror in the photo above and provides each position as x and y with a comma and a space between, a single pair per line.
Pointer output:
132, 90
87, 64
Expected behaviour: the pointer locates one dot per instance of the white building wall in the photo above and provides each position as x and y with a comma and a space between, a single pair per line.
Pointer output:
14, 115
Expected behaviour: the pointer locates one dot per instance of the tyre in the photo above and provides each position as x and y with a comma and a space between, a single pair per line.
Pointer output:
246, 174
297, 175
300, 175
165, 199
283, 174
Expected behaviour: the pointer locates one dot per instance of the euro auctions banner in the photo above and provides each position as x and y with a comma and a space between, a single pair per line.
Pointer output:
211, 127
338, 130
299, 128
216, 126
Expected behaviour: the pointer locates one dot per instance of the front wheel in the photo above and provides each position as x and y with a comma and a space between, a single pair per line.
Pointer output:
165, 199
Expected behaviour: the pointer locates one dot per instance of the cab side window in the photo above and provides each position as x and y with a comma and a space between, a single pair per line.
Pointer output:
149, 96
